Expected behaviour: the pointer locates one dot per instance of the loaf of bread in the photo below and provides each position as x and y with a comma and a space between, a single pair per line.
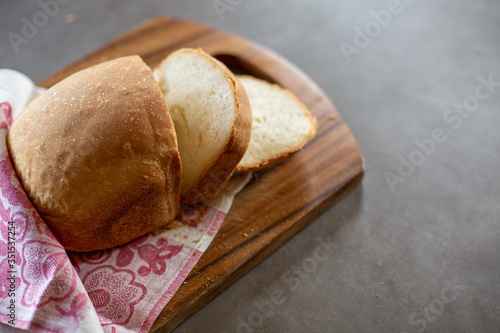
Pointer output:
212, 117
282, 125
97, 155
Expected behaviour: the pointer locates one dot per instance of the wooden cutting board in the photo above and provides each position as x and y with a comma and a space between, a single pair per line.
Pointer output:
281, 200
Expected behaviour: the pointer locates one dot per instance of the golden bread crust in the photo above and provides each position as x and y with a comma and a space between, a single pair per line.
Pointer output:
97, 155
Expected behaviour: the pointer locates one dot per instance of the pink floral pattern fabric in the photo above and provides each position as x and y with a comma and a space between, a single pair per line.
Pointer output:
44, 281
117, 290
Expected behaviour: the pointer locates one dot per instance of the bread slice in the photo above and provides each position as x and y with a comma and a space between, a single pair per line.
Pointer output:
97, 155
282, 125
212, 118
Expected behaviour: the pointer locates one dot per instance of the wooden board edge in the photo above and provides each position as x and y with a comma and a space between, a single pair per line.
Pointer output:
190, 309
52, 79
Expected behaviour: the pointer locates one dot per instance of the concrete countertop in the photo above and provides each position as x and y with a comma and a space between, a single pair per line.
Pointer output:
416, 247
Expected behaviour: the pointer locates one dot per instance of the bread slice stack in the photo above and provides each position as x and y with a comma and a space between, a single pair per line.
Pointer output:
197, 92
108, 154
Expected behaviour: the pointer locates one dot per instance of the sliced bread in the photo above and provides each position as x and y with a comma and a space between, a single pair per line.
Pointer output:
282, 125
212, 118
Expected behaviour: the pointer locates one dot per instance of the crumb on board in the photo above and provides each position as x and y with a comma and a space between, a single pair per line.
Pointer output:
378, 295
196, 240
165, 228
307, 260
341, 217
379, 264
382, 282
245, 235
70, 18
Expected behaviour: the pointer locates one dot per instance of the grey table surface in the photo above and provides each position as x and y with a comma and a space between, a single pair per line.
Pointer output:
418, 246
